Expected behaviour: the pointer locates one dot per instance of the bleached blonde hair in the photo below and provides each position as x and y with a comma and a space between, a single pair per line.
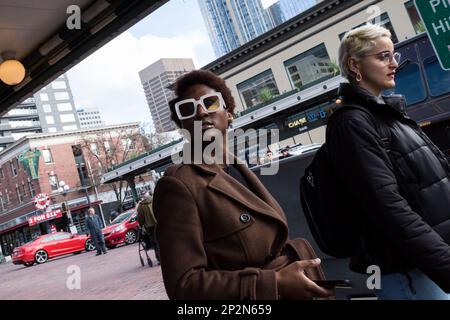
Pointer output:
357, 43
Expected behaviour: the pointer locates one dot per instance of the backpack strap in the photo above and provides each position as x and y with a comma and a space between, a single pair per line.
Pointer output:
380, 126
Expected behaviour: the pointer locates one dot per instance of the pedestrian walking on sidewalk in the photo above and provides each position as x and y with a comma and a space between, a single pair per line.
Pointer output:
395, 178
147, 220
222, 234
94, 226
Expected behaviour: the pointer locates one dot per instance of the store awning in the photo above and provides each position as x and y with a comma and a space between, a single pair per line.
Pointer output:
25, 221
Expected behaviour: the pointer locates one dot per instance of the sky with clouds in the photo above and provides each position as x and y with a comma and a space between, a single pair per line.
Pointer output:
109, 79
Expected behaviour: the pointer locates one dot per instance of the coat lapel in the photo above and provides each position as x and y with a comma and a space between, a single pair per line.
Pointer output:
259, 201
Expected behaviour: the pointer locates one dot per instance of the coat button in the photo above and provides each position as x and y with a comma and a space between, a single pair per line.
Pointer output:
245, 218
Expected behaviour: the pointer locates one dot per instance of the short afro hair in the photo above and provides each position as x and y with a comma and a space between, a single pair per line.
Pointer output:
206, 78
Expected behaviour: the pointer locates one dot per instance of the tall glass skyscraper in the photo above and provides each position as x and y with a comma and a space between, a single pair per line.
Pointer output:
231, 23
284, 10
291, 8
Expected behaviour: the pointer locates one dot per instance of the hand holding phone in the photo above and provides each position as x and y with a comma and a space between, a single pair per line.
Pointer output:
332, 284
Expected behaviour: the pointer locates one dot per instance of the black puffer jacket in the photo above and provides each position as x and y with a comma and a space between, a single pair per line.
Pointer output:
402, 195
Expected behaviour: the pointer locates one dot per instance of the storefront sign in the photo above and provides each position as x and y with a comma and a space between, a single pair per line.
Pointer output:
45, 217
73, 230
316, 115
297, 123
306, 118
41, 201
30, 161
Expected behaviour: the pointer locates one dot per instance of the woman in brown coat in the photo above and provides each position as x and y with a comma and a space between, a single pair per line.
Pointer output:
221, 234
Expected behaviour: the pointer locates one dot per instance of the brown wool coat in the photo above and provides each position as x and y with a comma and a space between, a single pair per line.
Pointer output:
218, 239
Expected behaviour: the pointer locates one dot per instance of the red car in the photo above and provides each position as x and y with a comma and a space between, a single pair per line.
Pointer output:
49, 246
123, 229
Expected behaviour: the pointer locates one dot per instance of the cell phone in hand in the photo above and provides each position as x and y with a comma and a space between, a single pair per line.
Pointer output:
332, 284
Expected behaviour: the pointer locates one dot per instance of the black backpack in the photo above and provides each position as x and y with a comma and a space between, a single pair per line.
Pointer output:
327, 209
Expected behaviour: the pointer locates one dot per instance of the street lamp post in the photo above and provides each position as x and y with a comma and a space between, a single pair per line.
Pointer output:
63, 188
95, 190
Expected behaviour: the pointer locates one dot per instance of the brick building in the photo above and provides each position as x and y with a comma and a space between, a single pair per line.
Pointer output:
65, 166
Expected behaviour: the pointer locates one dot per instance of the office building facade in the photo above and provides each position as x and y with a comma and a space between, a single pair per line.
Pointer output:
291, 8
56, 107
90, 118
18, 122
155, 80
232, 23
52, 109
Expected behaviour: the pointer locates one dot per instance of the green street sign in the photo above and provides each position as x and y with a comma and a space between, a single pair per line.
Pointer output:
435, 15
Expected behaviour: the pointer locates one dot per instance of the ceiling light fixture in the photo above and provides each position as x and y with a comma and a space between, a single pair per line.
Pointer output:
12, 71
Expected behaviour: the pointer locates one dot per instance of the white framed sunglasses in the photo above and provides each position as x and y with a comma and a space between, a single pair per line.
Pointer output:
210, 102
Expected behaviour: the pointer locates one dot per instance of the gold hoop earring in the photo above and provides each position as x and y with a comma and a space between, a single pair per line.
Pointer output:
358, 77
230, 119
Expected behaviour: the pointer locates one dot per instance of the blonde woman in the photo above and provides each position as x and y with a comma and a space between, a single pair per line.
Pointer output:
396, 178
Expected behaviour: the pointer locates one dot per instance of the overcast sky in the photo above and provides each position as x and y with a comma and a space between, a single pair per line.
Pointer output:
109, 79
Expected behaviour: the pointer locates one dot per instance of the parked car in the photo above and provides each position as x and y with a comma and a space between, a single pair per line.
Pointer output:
302, 149
295, 150
49, 246
123, 229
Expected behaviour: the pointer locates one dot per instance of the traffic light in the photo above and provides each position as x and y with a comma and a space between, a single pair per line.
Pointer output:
64, 207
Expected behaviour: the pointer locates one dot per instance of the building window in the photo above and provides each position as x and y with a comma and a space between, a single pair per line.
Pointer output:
67, 117
50, 119
107, 146
417, 23
1, 173
53, 179
8, 200
31, 187
409, 84
52, 129
70, 128
258, 89
47, 156
13, 168
100, 168
19, 194
43, 96
127, 144
94, 148
24, 190
59, 85
383, 21
61, 95
2, 204
438, 78
83, 174
64, 106
47, 108
309, 68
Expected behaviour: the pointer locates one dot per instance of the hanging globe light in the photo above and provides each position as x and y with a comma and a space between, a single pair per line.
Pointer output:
12, 72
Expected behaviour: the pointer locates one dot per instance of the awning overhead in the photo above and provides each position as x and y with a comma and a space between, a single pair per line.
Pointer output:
37, 33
